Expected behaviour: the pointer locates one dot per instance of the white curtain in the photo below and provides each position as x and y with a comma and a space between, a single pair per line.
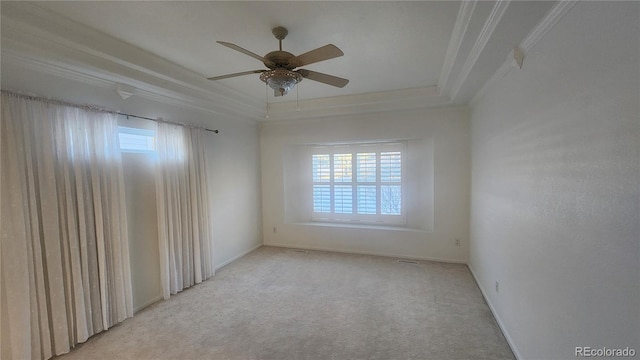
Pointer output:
186, 251
64, 251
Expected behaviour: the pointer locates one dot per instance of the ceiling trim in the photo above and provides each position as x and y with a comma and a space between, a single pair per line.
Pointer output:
463, 19
490, 25
11, 57
65, 48
548, 21
376, 102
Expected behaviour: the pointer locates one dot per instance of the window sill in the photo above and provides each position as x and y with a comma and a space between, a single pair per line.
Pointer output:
362, 226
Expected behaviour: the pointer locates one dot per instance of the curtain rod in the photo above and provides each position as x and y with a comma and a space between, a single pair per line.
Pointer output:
165, 121
97, 109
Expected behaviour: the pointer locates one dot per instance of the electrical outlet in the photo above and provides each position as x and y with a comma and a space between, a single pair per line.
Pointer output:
497, 287
457, 242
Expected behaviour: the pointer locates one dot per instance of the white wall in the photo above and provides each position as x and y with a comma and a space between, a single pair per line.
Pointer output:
139, 186
233, 167
555, 187
445, 130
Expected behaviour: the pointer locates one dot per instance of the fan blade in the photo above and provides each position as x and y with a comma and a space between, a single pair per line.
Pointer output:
246, 52
323, 78
320, 54
236, 74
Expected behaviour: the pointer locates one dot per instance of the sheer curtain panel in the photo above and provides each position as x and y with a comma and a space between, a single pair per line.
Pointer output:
186, 251
64, 250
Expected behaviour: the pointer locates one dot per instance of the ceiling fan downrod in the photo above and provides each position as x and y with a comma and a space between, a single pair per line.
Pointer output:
280, 33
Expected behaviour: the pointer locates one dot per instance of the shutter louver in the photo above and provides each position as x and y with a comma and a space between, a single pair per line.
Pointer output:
358, 183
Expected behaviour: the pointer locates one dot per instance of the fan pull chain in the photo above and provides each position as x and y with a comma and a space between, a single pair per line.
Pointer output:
297, 97
266, 97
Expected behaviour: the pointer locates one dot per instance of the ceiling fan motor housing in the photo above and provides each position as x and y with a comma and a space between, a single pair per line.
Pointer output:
281, 59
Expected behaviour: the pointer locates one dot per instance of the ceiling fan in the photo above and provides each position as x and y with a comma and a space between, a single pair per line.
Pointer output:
281, 76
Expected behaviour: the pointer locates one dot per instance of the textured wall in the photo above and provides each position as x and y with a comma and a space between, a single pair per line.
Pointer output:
555, 187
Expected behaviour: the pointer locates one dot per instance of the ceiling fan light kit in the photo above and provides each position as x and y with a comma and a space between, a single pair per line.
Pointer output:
281, 80
281, 76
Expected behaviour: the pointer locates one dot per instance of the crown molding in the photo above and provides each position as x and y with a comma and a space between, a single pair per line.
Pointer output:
489, 27
12, 58
548, 21
47, 42
377, 102
463, 19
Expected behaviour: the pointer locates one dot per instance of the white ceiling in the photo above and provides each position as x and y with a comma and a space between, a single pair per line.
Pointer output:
387, 45
398, 54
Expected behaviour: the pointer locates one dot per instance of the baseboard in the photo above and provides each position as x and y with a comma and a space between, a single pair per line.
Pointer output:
218, 267
512, 345
227, 262
295, 246
148, 303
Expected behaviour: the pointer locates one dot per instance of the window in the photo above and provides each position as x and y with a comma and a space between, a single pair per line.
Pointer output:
136, 140
358, 183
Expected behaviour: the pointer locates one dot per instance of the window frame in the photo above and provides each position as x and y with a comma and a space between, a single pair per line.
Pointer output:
354, 217
139, 132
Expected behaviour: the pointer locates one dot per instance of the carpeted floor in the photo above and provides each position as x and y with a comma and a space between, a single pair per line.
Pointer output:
280, 304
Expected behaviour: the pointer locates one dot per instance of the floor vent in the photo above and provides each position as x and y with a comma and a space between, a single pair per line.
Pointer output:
301, 251
404, 261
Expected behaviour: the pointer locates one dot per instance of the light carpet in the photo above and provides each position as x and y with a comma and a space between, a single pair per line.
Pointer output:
281, 304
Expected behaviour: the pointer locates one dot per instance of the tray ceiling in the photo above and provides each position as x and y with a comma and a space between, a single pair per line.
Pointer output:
442, 52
